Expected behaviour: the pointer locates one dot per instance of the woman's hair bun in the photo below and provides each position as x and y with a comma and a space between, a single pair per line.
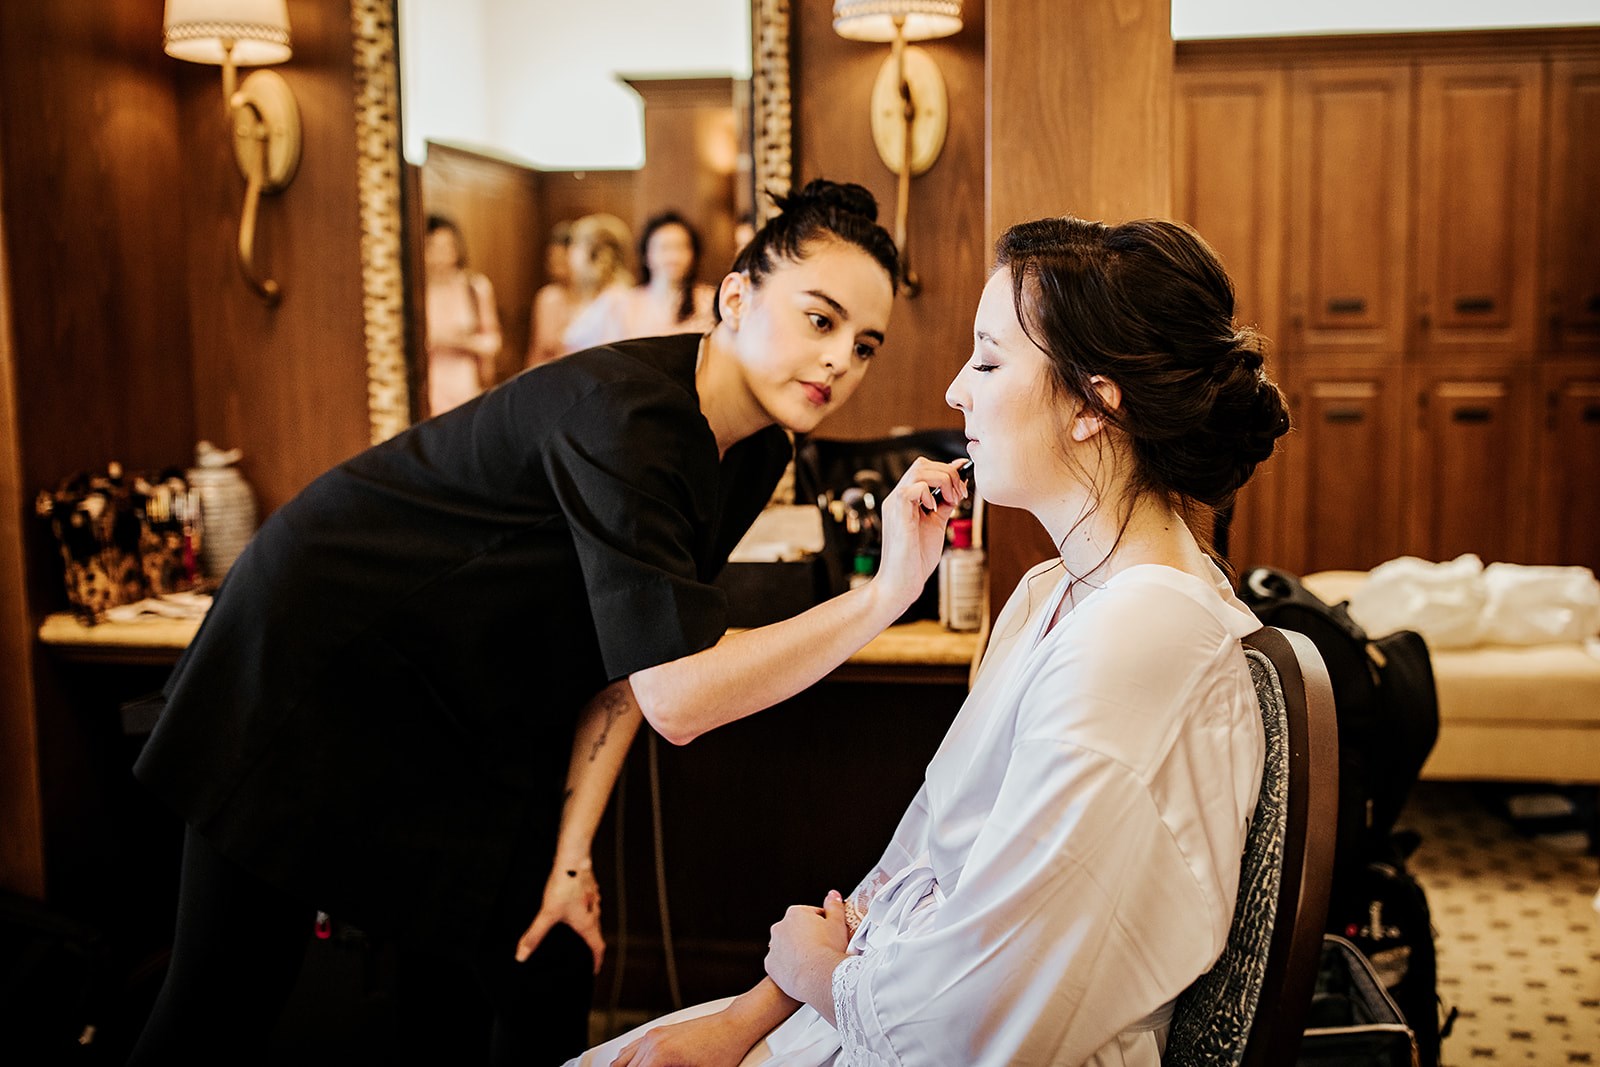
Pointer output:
822, 211
847, 197
1249, 413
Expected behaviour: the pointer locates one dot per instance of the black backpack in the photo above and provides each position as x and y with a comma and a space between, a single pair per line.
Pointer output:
1383, 695
1388, 721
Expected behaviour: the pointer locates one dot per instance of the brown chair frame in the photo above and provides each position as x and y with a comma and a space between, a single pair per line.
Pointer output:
1308, 841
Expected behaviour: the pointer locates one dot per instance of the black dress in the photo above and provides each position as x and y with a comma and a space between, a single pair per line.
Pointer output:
379, 708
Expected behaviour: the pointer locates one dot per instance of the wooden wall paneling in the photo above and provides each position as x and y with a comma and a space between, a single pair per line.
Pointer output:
21, 800
1572, 214
287, 384
1479, 162
930, 335
1567, 518
1344, 465
94, 235
1349, 207
1470, 490
1228, 176
1080, 113
566, 195
691, 162
495, 202
98, 364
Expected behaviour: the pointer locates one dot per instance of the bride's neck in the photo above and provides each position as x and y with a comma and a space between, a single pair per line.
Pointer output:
1098, 539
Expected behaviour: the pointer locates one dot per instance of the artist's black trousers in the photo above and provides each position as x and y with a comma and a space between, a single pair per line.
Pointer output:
240, 943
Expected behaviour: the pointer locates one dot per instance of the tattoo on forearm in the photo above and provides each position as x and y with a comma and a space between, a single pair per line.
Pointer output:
566, 798
615, 705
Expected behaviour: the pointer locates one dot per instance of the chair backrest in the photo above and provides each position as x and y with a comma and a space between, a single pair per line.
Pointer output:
1249, 1009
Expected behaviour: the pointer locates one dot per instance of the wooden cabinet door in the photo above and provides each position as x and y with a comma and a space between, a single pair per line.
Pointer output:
1477, 202
1349, 205
1228, 180
1342, 466
1469, 484
1568, 519
1572, 206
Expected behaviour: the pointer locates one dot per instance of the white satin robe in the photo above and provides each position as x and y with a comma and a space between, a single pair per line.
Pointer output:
1071, 862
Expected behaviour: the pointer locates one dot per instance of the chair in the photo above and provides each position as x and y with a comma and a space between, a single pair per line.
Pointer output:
1250, 1008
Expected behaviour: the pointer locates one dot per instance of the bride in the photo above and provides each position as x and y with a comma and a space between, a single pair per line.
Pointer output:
1071, 861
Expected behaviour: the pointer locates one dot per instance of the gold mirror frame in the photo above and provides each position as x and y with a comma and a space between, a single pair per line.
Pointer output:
379, 167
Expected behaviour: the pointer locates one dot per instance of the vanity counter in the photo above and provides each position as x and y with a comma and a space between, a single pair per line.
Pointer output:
922, 649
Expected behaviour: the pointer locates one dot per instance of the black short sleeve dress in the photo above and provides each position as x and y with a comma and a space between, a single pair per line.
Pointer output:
381, 701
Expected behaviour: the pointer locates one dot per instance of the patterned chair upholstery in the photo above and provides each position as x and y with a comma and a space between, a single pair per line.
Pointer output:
1249, 1009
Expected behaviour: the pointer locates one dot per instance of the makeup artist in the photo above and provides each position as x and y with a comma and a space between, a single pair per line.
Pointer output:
413, 693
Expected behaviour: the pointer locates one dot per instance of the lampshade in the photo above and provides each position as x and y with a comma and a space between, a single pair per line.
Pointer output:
259, 30
873, 20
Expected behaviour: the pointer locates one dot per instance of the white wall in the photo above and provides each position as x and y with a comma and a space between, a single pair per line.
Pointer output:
536, 79
541, 85
1256, 18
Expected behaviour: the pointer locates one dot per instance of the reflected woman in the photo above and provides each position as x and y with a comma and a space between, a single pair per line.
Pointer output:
463, 323
667, 300
597, 260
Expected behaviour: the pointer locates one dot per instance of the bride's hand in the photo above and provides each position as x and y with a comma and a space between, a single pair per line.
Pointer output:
913, 526
709, 1041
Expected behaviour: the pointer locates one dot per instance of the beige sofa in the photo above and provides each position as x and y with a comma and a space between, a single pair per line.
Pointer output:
1507, 713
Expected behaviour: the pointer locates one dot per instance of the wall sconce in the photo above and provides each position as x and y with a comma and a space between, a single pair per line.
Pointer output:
262, 111
910, 110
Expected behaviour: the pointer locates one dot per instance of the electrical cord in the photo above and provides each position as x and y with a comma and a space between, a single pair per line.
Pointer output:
669, 955
620, 959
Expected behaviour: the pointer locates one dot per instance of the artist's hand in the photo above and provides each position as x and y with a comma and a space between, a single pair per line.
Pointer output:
571, 896
913, 525
807, 944
709, 1041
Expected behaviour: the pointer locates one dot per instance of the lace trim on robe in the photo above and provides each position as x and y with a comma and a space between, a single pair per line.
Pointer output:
853, 1050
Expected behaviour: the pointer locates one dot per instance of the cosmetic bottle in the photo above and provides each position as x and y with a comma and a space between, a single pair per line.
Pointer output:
961, 580
862, 569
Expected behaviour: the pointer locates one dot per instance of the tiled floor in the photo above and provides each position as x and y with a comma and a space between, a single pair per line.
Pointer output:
1517, 934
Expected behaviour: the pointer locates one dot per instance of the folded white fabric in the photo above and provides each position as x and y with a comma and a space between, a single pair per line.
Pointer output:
1462, 603
1441, 601
169, 606
1540, 605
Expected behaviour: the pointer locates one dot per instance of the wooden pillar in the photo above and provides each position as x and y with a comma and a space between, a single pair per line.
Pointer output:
1080, 116
691, 158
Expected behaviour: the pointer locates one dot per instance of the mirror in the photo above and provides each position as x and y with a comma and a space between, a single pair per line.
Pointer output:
389, 299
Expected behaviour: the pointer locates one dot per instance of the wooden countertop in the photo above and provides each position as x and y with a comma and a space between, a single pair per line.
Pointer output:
893, 655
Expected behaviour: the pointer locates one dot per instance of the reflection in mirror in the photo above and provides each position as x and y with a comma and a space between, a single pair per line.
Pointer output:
392, 400
522, 119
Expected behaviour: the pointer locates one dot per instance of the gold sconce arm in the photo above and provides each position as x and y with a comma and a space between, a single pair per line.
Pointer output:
909, 282
910, 117
262, 115
266, 145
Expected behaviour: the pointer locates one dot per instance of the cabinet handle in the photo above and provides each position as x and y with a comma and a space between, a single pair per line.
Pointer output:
1594, 304
1474, 305
1347, 305
1472, 415
1344, 415
1591, 414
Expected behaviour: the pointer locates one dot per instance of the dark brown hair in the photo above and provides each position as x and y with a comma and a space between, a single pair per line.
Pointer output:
1147, 305
686, 288
822, 211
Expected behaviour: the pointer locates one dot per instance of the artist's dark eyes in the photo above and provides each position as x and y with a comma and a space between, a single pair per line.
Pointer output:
984, 368
822, 323
866, 351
